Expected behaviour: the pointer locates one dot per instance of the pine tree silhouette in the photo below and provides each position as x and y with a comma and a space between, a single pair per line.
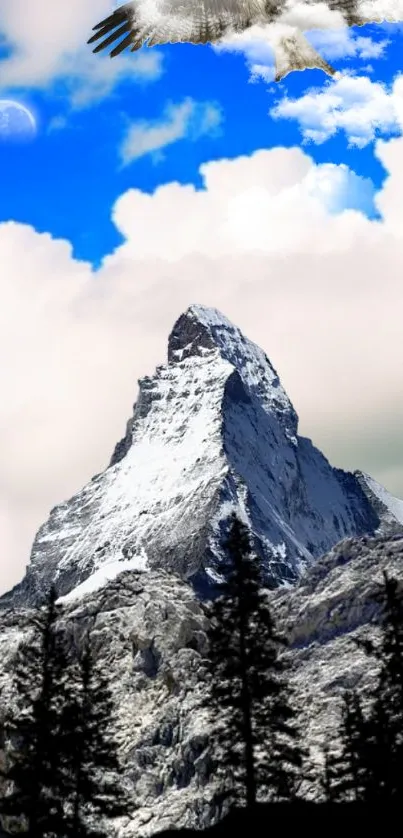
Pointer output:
255, 736
354, 779
333, 767
369, 767
93, 790
385, 722
32, 731
61, 765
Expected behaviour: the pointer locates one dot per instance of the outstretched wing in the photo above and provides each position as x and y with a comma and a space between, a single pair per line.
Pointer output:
152, 22
171, 21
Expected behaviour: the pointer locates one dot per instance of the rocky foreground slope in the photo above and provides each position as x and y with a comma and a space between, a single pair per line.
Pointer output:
150, 635
132, 554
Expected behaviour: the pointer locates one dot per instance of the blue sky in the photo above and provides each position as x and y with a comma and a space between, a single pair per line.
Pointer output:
185, 175
73, 166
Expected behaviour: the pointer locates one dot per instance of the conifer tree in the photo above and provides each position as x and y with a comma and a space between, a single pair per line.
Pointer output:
370, 766
385, 722
92, 785
61, 766
330, 777
32, 730
255, 737
354, 779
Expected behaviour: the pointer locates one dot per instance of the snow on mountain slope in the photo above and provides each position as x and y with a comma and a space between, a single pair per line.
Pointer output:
100, 579
212, 431
391, 508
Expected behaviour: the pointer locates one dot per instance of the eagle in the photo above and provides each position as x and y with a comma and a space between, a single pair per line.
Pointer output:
152, 22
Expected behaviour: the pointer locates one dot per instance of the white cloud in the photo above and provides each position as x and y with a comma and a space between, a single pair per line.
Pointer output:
189, 119
339, 44
46, 43
339, 188
256, 46
322, 293
355, 105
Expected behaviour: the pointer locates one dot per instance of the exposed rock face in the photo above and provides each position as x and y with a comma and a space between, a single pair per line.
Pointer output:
388, 508
212, 431
149, 631
330, 606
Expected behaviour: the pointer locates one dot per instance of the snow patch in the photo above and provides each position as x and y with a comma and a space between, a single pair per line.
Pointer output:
394, 505
218, 578
105, 574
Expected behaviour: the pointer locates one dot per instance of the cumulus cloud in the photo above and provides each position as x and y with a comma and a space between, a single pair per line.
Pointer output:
355, 105
44, 43
321, 292
189, 119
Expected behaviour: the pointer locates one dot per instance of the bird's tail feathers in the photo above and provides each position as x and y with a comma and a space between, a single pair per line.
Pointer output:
293, 52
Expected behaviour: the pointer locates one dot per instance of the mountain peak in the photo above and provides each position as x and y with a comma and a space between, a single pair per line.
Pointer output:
208, 316
202, 330
212, 432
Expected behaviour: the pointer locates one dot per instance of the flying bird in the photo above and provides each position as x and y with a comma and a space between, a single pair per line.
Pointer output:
152, 22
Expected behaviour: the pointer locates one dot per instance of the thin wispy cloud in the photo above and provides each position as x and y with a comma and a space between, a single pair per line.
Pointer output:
187, 120
342, 44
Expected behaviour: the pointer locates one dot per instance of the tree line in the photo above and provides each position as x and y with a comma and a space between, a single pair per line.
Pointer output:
258, 735
60, 773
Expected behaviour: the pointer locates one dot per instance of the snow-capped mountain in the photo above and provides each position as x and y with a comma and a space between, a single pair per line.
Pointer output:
212, 431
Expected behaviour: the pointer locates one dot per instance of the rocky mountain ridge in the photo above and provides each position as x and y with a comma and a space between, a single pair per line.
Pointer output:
212, 431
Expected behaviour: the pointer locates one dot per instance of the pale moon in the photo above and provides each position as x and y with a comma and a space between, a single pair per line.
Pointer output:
16, 121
